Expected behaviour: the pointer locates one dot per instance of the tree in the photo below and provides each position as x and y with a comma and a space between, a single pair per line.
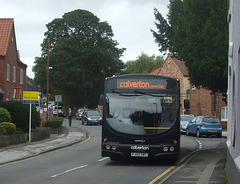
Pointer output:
144, 64
82, 54
198, 32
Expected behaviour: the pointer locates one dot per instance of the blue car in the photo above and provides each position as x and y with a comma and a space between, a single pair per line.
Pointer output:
205, 125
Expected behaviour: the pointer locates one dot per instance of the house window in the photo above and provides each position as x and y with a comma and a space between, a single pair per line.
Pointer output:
21, 76
224, 113
14, 73
8, 71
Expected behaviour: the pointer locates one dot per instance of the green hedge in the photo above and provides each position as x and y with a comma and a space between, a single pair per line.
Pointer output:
4, 115
20, 114
55, 122
9, 127
3, 131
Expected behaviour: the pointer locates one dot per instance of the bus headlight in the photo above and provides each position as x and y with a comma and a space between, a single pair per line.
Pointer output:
114, 147
165, 149
171, 148
108, 147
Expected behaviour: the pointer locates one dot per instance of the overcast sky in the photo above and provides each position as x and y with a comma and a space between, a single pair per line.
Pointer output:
131, 21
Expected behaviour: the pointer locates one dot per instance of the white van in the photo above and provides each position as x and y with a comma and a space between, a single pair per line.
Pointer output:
58, 111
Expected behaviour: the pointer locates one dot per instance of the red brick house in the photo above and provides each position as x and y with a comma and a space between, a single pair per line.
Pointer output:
202, 102
12, 69
174, 67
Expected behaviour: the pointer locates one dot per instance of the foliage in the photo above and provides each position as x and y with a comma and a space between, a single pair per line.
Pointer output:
144, 64
3, 131
4, 115
55, 122
20, 114
9, 127
198, 32
82, 54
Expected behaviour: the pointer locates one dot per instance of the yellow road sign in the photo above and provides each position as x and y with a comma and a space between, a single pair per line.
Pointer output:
30, 95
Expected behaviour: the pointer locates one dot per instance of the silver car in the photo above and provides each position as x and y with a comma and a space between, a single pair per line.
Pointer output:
184, 121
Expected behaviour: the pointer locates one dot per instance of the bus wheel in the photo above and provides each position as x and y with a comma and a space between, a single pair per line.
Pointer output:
113, 158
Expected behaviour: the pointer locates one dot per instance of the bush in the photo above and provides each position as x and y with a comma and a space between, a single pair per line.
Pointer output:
9, 127
3, 131
4, 115
20, 114
55, 122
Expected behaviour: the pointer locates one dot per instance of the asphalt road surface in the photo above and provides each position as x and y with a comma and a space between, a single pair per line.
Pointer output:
82, 164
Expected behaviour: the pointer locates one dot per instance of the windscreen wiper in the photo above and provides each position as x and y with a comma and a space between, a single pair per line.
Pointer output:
150, 94
122, 94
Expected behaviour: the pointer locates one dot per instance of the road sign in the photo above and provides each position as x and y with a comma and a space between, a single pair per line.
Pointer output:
58, 98
30, 97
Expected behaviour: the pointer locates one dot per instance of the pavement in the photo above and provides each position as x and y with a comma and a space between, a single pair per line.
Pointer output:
200, 167
68, 136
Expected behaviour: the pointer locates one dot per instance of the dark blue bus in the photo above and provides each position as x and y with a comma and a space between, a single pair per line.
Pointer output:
141, 117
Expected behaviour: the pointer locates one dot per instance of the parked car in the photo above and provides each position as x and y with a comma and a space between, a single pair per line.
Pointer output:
185, 119
80, 112
205, 125
91, 117
58, 111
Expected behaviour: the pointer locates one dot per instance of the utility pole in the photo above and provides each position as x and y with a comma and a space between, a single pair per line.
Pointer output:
48, 78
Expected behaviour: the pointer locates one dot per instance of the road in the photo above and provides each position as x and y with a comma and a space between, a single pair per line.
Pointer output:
82, 164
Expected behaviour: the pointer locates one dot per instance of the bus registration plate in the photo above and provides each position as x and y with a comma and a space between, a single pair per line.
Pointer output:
133, 154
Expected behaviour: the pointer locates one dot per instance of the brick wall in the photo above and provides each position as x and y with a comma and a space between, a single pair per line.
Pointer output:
204, 103
170, 69
11, 58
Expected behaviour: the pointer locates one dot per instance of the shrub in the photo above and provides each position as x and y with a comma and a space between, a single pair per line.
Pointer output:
20, 114
55, 122
3, 131
4, 115
9, 127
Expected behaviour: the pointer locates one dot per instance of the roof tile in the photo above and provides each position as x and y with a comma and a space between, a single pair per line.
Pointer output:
5, 33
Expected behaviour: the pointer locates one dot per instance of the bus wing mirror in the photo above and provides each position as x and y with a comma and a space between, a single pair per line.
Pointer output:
101, 100
186, 104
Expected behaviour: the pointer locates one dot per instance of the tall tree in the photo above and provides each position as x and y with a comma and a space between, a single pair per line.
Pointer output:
198, 33
144, 64
82, 54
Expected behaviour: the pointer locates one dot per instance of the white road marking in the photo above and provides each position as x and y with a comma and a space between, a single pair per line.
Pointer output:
103, 159
199, 144
67, 171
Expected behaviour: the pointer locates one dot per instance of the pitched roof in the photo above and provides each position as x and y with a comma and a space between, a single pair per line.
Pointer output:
179, 63
5, 33
156, 72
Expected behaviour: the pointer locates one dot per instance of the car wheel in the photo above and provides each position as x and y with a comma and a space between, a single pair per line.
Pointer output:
198, 133
219, 135
187, 132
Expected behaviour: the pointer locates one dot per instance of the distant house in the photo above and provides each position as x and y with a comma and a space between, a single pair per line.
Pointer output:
174, 67
12, 69
202, 101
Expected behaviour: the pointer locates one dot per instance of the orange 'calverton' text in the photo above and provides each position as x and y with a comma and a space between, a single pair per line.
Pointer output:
138, 84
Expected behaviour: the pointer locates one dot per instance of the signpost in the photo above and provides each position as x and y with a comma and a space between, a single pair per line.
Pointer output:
30, 97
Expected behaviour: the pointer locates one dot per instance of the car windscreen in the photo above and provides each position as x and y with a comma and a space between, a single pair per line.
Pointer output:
210, 120
186, 118
141, 114
92, 113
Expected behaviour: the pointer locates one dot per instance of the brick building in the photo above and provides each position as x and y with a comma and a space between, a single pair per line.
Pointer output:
174, 67
12, 69
202, 102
